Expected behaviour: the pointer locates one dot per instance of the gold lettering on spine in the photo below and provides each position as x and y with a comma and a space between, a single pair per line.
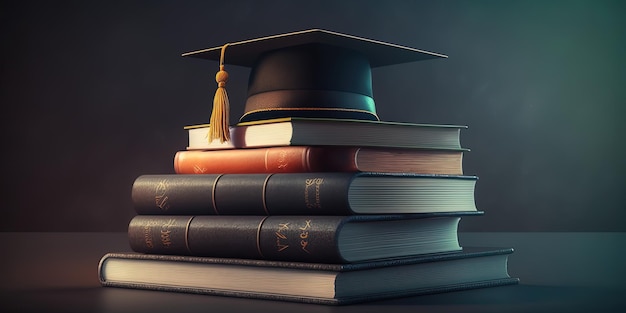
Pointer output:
281, 237
147, 234
198, 169
213, 194
312, 186
166, 239
282, 240
304, 235
282, 160
160, 195
258, 236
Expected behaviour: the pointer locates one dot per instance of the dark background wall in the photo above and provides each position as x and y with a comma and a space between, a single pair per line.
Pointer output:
94, 94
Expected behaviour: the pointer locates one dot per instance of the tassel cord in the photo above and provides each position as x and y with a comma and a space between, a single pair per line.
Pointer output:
219, 129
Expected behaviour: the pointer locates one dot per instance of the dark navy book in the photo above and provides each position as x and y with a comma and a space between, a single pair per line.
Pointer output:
302, 238
318, 193
333, 284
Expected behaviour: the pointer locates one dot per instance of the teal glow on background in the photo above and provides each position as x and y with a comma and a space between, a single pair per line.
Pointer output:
95, 94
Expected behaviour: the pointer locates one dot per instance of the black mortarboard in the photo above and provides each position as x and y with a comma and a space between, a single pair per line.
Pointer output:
311, 73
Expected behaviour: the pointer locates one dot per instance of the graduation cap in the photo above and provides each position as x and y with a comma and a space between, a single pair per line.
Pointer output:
311, 73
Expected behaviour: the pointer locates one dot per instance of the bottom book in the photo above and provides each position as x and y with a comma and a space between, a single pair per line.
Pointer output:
335, 284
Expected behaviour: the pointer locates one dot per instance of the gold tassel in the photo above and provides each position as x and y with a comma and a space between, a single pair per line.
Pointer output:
219, 128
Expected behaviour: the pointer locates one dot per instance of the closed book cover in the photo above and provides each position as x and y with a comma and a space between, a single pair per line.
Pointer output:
291, 159
320, 239
333, 284
329, 132
316, 193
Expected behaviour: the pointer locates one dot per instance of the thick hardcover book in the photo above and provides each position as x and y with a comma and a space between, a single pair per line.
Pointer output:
322, 239
334, 284
293, 159
329, 132
317, 193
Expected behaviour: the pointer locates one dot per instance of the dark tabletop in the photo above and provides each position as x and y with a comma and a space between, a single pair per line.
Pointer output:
559, 272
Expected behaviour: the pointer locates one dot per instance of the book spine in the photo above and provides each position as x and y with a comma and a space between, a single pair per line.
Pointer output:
279, 238
243, 194
290, 159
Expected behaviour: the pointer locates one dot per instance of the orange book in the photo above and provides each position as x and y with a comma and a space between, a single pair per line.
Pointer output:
293, 159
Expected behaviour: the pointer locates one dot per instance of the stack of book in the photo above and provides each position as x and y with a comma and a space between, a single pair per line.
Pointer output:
312, 210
